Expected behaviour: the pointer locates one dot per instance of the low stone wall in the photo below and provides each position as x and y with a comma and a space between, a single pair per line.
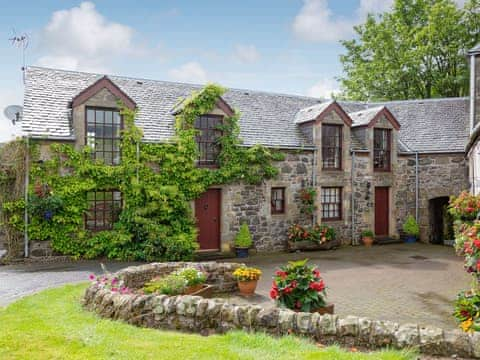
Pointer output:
208, 316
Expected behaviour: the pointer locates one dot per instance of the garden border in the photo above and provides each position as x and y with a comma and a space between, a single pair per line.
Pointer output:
209, 316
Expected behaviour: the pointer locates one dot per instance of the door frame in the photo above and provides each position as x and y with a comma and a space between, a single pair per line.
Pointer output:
219, 222
388, 210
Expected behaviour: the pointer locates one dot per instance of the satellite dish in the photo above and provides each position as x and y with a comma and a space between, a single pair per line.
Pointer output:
13, 113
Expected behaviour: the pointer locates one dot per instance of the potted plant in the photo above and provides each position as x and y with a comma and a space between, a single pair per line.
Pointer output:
247, 278
243, 241
300, 287
367, 238
194, 278
317, 237
411, 229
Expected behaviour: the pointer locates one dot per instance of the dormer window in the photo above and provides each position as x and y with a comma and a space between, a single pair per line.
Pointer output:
103, 134
207, 139
332, 147
382, 139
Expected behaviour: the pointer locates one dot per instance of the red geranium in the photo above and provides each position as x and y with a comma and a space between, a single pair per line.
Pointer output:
298, 286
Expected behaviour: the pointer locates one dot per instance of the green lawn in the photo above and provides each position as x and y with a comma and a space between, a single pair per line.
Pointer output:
52, 325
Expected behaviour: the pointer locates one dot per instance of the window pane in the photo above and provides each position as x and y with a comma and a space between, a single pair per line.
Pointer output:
207, 139
331, 199
103, 134
105, 207
331, 146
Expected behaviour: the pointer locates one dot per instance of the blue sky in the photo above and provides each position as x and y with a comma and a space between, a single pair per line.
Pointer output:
289, 46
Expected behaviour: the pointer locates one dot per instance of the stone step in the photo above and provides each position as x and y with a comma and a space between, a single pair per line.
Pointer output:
215, 255
385, 240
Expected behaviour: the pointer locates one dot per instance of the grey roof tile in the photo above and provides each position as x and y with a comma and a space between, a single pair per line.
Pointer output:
363, 117
311, 113
266, 118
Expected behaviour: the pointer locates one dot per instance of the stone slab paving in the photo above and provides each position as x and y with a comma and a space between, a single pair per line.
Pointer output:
399, 282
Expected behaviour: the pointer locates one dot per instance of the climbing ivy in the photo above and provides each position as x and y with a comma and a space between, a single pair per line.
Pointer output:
157, 182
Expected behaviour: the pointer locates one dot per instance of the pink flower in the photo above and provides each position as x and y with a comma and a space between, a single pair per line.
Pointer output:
114, 281
92, 277
114, 289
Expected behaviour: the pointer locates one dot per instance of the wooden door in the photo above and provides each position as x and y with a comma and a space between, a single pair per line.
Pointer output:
207, 212
382, 211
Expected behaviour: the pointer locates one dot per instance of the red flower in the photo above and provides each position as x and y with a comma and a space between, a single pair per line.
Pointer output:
478, 265
294, 284
316, 273
469, 209
317, 286
281, 274
287, 290
476, 242
274, 293
298, 304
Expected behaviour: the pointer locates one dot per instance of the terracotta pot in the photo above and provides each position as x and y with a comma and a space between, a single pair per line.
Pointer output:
205, 291
247, 288
367, 241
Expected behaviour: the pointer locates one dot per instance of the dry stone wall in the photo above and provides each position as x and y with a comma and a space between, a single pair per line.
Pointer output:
209, 316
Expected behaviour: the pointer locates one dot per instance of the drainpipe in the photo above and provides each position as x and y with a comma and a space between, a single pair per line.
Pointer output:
25, 212
354, 241
314, 181
416, 186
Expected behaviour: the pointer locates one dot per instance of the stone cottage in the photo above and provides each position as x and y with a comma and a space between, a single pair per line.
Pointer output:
371, 164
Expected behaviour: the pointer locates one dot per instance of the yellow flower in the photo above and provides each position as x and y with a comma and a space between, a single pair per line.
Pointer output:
466, 325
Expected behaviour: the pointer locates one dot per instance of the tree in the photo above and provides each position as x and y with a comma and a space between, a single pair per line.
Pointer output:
417, 50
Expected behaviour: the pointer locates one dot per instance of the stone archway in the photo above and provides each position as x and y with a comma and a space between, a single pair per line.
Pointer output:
441, 223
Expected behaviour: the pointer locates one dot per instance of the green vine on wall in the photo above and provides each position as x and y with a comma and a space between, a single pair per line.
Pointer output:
157, 183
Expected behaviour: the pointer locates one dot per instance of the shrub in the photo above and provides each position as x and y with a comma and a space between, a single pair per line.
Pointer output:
318, 233
172, 284
367, 233
243, 238
247, 273
410, 227
298, 286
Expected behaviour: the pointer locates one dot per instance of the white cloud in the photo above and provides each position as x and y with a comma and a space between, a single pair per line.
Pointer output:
246, 53
316, 22
81, 38
324, 89
7, 130
191, 72
373, 6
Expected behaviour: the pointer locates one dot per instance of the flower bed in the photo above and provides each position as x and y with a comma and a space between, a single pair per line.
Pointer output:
208, 316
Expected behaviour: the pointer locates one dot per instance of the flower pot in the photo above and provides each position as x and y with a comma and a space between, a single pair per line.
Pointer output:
247, 288
241, 252
367, 241
205, 291
193, 289
410, 239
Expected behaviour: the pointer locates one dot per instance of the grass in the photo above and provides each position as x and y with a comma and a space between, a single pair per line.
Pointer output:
53, 325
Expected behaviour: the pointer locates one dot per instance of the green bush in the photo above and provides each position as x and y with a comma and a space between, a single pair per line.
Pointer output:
410, 227
243, 238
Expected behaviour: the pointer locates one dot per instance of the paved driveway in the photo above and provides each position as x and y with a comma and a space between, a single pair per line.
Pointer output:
401, 282
404, 282
20, 280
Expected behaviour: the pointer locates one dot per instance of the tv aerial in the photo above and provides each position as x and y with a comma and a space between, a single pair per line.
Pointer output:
13, 113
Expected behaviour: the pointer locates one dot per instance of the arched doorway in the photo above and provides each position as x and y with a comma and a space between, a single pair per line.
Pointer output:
441, 222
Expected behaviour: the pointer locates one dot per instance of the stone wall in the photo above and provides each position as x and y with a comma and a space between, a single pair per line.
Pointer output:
440, 175
251, 204
208, 316
477, 90
220, 275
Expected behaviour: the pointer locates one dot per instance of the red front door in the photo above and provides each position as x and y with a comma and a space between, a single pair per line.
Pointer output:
381, 211
207, 212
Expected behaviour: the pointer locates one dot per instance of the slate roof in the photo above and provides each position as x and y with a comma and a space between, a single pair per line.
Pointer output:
267, 118
363, 117
311, 113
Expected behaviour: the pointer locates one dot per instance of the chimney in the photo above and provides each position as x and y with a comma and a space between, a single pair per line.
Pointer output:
474, 86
